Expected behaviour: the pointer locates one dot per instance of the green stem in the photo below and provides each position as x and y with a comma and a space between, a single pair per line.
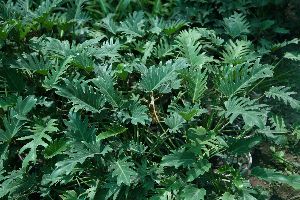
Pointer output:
209, 123
218, 124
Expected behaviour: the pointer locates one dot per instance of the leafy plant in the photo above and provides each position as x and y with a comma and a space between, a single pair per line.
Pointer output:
104, 99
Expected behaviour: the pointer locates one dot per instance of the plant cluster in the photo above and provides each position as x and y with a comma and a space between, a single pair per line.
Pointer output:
138, 99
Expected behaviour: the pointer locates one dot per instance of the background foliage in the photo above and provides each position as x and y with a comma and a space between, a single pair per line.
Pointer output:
138, 99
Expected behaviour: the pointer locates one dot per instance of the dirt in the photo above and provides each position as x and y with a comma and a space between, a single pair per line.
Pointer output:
286, 193
257, 182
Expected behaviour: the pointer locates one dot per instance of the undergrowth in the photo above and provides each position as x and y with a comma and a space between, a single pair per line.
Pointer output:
138, 99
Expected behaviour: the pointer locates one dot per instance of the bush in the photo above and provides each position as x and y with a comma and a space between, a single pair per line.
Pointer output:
175, 99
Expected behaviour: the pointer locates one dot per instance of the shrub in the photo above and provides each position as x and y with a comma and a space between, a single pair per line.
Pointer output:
147, 99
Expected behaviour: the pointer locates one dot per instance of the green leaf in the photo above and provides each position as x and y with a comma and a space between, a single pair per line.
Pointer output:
113, 131
236, 25
12, 127
124, 171
16, 183
92, 190
105, 84
235, 79
192, 193
55, 73
227, 196
292, 56
33, 62
277, 130
23, 107
10, 182
173, 26
16, 118
296, 133
197, 85
237, 52
197, 169
163, 78
285, 43
8, 101
244, 145
81, 95
250, 111
188, 115
282, 93
191, 49
55, 148
157, 25
67, 166
38, 138
45, 7
109, 24
271, 175
210, 35
278, 124
80, 130
247, 196
138, 113
187, 111
133, 25
163, 49
148, 48
69, 195
174, 122
108, 49
203, 142
55, 47
178, 158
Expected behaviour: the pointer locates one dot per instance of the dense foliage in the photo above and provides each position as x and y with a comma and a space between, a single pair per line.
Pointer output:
138, 99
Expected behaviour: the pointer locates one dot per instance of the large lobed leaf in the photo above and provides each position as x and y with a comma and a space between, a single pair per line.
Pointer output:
282, 93
124, 171
81, 95
236, 79
38, 138
163, 78
251, 112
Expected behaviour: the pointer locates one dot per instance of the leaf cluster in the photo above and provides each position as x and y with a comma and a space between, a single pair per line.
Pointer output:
147, 99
